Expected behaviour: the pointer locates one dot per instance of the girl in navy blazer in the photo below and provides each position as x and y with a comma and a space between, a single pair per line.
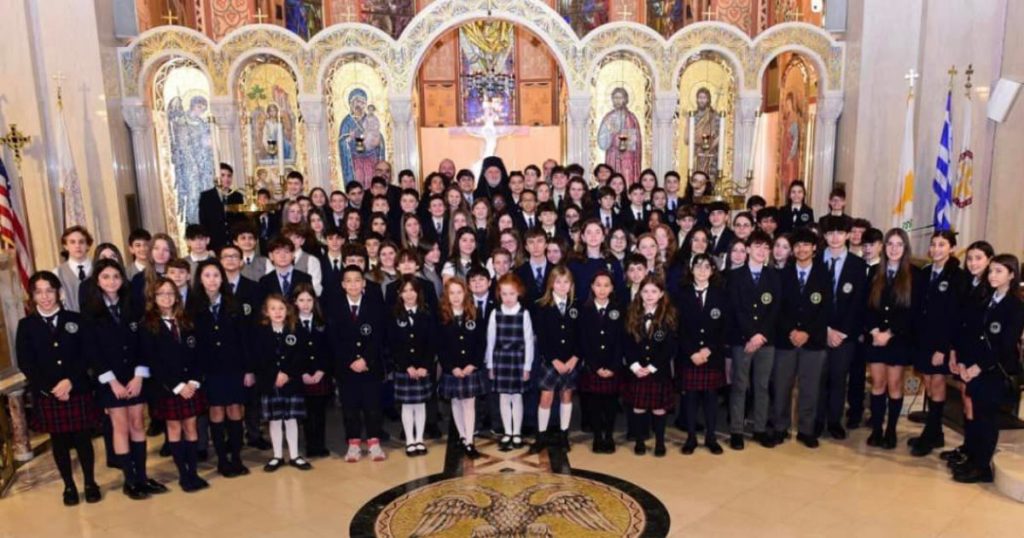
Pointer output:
112, 343
461, 352
410, 347
168, 343
703, 308
51, 355
887, 334
988, 361
277, 354
556, 321
220, 337
601, 333
317, 379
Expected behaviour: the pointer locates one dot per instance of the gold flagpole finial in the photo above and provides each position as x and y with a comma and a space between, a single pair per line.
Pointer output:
967, 84
912, 77
952, 74
16, 141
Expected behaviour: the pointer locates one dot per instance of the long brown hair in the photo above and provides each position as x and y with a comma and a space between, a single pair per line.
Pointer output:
307, 288
445, 310
903, 283
401, 283
664, 314
558, 271
152, 318
149, 272
290, 317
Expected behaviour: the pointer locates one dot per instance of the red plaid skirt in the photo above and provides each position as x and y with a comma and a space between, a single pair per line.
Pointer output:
78, 414
324, 388
701, 378
177, 408
595, 384
649, 393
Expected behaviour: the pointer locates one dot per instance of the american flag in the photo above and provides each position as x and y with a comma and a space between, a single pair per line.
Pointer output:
12, 232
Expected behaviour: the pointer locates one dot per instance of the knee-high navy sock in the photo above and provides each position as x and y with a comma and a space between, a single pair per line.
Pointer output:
234, 428
877, 411
935, 417
659, 428
60, 446
178, 454
642, 422
895, 407
691, 413
137, 452
710, 414
219, 442
131, 477
86, 456
191, 457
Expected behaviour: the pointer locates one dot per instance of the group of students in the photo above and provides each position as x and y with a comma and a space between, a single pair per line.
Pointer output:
489, 292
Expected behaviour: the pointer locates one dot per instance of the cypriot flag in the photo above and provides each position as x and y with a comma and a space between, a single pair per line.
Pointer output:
903, 194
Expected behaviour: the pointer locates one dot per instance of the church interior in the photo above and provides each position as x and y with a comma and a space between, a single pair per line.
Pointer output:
118, 116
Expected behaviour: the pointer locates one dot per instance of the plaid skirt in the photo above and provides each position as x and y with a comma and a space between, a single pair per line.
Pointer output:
552, 380
51, 415
701, 378
592, 383
470, 386
177, 408
281, 407
649, 393
412, 391
508, 375
324, 388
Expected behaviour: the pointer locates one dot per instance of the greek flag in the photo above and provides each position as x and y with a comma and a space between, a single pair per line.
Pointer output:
942, 185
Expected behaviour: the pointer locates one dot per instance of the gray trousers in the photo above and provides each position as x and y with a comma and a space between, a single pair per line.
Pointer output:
833, 383
760, 364
804, 368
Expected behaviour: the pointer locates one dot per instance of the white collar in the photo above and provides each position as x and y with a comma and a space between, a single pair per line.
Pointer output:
305, 317
600, 306
54, 312
755, 267
356, 303
514, 309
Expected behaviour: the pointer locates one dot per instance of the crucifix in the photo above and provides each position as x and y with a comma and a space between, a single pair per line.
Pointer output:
260, 16
170, 18
349, 15
952, 75
709, 14
912, 77
15, 140
969, 73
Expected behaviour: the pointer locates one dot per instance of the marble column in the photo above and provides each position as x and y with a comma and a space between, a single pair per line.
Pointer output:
749, 104
664, 143
405, 153
318, 168
229, 136
19, 426
147, 172
830, 106
579, 130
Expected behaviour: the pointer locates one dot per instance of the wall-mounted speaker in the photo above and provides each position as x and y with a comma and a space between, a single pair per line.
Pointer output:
1001, 100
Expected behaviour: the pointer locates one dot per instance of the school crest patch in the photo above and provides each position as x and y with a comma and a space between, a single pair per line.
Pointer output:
190, 341
944, 285
815, 298
366, 329
290, 340
402, 323
246, 308
715, 313
659, 335
133, 326
805, 217
613, 315
470, 325
71, 327
847, 288
766, 298
573, 313
995, 327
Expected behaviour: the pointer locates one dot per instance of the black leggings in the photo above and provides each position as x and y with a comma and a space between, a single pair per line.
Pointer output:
62, 443
315, 425
601, 411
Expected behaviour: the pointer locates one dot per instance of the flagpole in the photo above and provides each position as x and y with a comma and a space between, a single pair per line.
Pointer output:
16, 141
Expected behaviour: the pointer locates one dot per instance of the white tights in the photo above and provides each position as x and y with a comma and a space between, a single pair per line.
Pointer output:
511, 413
291, 432
464, 415
414, 418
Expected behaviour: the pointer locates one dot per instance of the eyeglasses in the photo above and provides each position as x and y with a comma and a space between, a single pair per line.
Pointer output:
165, 294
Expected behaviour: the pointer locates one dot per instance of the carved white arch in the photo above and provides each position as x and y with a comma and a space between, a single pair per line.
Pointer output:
814, 43
153, 64
728, 54
374, 60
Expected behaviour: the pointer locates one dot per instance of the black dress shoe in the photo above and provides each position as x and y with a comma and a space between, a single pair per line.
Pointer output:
200, 483
736, 441
92, 493
154, 488
889, 441
875, 439
505, 443
689, 446
539, 444
973, 475
135, 492
273, 465
714, 447
598, 446
227, 470
660, 450
471, 452
240, 468
766, 439
259, 444
947, 455
836, 431
301, 464
780, 438
921, 448
70, 496
640, 448
808, 441
517, 442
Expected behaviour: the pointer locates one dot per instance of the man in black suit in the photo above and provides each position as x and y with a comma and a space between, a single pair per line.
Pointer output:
848, 275
525, 216
213, 214
634, 215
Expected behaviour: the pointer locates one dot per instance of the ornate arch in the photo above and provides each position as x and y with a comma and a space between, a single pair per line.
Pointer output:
140, 59
341, 40
248, 41
810, 41
638, 40
443, 15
